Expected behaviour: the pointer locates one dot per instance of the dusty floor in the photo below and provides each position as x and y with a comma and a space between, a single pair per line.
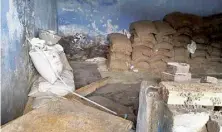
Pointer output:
122, 91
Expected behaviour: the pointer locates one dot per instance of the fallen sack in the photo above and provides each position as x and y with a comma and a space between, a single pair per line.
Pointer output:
143, 27
43, 88
164, 28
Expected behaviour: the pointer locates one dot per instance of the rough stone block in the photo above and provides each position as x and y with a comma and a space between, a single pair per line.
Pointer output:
178, 77
193, 93
174, 67
208, 79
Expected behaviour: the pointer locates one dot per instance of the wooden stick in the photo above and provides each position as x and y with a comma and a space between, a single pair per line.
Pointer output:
88, 89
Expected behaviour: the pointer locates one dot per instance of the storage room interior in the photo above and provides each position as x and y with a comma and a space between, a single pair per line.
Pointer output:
111, 65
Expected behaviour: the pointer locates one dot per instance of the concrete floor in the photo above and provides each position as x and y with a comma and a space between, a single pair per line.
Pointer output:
122, 89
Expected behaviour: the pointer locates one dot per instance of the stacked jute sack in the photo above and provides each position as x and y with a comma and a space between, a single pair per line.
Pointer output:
214, 52
119, 57
151, 45
188, 27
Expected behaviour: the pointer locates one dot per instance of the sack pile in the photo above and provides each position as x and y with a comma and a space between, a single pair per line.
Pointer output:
215, 52
119, 57
56, 76
143, 43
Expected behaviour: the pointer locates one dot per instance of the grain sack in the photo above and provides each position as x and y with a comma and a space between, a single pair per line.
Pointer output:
142, 50
120, 43
119, 56
116, 65
178, 20
147, 44
164, 28
199, 53
200, 39
143, 38
181, 54
164, 52
197, 60
156, 58
216, 45
139, 57
201, 46
158, 65
213, 58
142, 66
163, 45
164, 38
182, 38
143, 27
185, 31
214, 51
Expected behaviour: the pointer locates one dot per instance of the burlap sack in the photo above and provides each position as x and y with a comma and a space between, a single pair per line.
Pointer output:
202, 39
141, 66
139, 57
212, 58
182, 38
142, 50
118, 56
184, 31
120, 43
217, 45
156, 58
197, 60
163, 45
143, 27
164, 28
181, 54
178, 20
201, 46
141, 38
117, 65
147, 44
158, 65
164, 38
214, 51
164, 52
199, 53
181, 41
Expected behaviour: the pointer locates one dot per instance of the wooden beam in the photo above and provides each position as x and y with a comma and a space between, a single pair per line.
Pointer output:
88, 89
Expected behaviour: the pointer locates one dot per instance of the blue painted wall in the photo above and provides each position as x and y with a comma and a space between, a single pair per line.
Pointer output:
18, 19
99, 17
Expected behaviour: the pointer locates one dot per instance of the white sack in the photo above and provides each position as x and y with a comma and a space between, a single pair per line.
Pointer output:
43, 88
47, 63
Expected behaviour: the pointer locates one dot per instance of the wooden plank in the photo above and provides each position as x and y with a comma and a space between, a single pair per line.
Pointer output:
193, 93
68, 116
88, 89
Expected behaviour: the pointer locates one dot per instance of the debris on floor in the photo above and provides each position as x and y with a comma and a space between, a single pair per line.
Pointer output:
65, 115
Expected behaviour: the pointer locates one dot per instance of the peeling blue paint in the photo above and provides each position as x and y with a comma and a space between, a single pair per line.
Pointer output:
17, 16
80, 14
